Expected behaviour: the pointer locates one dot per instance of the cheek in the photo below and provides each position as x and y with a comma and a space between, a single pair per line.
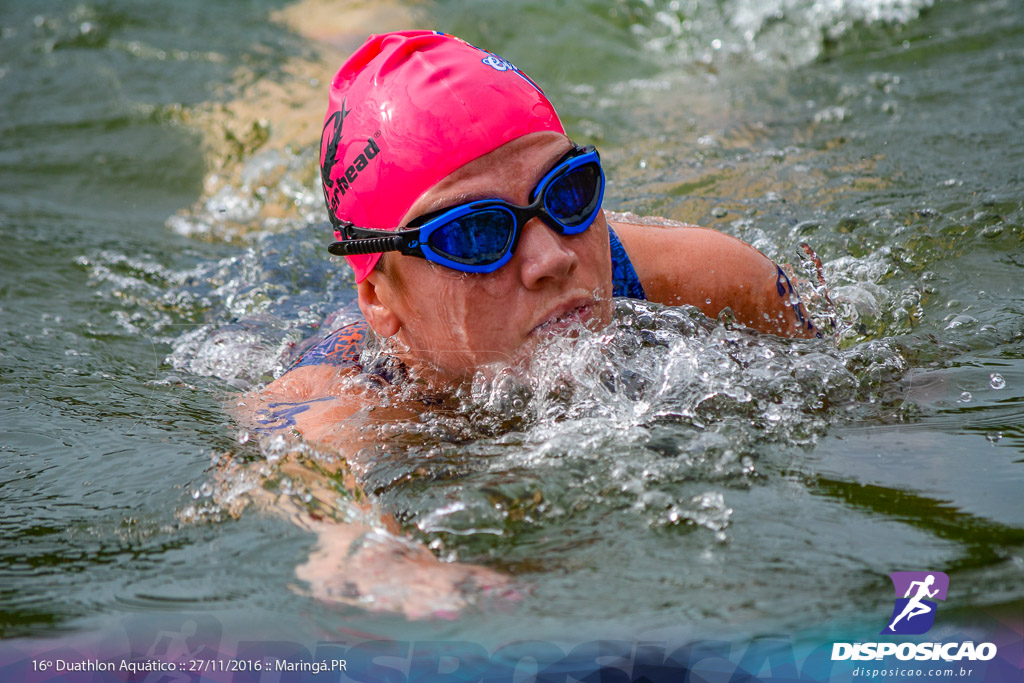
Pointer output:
596, 257
497, 289
476, 311
459, 316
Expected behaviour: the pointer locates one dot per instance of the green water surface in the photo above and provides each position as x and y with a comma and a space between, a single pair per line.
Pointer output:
894, 147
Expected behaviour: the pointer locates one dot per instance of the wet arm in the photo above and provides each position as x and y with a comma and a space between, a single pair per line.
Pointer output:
305, 400
714, 271
362, 557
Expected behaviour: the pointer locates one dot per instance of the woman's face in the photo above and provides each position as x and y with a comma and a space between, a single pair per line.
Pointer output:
457, 321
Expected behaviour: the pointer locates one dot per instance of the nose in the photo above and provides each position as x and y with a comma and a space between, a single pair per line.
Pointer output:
544, 256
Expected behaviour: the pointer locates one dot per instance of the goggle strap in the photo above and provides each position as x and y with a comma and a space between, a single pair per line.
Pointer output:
371, 245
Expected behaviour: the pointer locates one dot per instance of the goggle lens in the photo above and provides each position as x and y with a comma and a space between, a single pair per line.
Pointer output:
572, 197
475, 239
484, 236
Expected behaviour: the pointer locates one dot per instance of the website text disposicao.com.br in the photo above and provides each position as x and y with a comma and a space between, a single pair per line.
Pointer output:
904, 673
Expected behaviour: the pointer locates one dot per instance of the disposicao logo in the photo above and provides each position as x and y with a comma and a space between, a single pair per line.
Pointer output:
914, 614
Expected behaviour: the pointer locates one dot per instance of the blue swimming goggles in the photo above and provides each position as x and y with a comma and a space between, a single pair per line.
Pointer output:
481, 236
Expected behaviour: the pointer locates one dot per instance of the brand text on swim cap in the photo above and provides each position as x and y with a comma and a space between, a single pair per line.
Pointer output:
361, 162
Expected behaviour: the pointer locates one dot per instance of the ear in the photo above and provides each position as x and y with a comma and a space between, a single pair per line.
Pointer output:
374, 296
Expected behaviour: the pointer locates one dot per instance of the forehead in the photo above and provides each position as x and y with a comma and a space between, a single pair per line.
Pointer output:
509, 172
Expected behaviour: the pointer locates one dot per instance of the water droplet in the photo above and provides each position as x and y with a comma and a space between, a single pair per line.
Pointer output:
961, 321
996, 381
707, 301
196, 494
965, 397
992, 231
994, 437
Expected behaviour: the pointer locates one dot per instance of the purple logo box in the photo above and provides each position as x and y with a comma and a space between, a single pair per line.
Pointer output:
916, 593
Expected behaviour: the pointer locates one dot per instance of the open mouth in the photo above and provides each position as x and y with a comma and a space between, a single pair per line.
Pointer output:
571, 318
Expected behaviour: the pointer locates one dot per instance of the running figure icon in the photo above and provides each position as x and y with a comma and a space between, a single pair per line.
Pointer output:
915, 607
919, 591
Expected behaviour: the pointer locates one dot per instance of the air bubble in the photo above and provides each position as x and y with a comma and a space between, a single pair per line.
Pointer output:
996, 381
965, 397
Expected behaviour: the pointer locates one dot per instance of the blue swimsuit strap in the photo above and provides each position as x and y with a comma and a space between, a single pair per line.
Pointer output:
624, 279
343, 346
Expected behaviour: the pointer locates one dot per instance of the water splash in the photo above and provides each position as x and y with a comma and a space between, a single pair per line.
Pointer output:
636, 421
241, 319
275, 189
654, 419
773, 32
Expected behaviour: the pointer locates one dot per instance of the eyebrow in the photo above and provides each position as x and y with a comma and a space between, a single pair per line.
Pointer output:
458, 199
442, 204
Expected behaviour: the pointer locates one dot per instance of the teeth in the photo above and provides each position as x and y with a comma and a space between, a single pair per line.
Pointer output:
562, 318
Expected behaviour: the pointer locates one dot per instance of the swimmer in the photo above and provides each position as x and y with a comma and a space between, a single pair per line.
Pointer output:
474, 227
915, 607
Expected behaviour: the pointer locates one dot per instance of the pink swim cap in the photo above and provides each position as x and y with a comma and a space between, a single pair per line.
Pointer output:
407, 109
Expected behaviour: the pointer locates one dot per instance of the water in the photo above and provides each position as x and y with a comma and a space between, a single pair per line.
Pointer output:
164, 253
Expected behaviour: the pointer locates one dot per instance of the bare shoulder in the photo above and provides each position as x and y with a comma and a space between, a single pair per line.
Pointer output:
679, 262
687, 264
309, 381
330, 405
305, 400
